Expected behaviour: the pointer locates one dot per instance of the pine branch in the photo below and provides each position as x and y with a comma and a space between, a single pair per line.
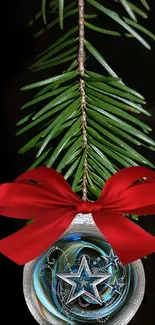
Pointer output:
87, 123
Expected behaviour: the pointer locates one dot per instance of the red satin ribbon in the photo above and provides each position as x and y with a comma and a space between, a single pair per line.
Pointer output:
53, 205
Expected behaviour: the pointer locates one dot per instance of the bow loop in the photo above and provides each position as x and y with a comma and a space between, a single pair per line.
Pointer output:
88, 207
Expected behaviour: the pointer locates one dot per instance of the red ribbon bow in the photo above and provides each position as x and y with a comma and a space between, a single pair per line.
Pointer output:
51, 201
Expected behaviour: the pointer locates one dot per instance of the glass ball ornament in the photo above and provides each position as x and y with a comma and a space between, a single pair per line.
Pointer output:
80, 280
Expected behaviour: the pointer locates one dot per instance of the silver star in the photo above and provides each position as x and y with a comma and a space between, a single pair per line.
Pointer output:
111, 259
116, 286
90, 290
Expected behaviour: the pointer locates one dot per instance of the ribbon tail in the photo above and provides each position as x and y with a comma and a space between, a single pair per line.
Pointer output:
129, 241
31, 241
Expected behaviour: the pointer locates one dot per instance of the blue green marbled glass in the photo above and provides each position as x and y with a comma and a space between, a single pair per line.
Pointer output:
63, 261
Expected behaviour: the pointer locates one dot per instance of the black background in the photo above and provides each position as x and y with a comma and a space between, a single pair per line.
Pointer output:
129, 59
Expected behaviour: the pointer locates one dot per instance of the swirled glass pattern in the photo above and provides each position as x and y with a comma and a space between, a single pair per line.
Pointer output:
80, 280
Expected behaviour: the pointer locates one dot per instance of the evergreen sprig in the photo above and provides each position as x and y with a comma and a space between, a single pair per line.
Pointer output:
86, 123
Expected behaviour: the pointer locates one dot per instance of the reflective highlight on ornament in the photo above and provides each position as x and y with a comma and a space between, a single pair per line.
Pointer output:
80, 280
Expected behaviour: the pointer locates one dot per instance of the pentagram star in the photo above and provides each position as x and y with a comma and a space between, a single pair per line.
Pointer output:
116, 287
84, 282
111, 259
